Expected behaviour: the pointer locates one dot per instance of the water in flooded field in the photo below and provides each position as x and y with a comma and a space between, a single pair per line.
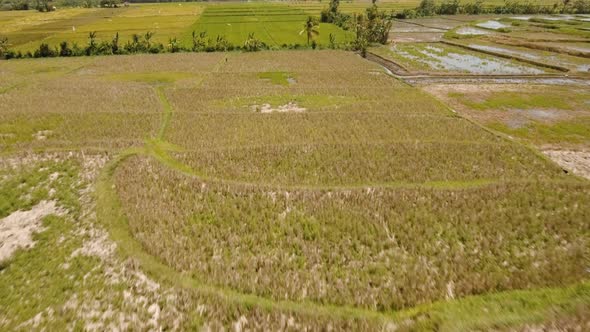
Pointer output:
503, 50
471, 31
449, 59
572, 63
494, 25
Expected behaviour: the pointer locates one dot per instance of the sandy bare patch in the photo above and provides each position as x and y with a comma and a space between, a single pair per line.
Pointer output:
42, 135
17, 229
576, 161
289, 107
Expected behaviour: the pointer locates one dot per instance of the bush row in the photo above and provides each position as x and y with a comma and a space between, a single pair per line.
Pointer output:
144, 44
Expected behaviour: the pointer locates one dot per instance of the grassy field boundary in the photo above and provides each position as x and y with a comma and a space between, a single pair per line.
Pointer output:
167, 115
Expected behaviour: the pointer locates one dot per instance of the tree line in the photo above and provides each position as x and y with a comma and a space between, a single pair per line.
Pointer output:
455, 7
199, 42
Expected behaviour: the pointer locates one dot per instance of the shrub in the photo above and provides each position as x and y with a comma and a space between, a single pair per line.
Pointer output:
44, 6
115, 44
426, 8
91, 48
406, 14
473, 8
199, 43
64, 49
332, 41
450, 7
110, 3
44, 51
3, 46
252, 44
173, 46
581, 6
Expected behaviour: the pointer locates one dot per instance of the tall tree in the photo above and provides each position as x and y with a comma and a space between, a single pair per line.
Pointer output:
310, 28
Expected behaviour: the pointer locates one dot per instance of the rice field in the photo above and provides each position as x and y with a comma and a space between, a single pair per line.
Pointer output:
35, 115
291, 190
273, 24
252, 205
357, 246
73, 25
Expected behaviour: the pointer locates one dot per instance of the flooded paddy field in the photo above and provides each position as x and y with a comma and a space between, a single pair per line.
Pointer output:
572, 63
472, 18
471, 31
525, 77
545, 36
404, 32
416, 37
435, 22
403, 26
492, 24
583, 48
448, 59
571, 26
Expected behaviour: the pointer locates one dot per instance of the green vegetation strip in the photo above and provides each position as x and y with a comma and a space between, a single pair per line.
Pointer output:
167, 111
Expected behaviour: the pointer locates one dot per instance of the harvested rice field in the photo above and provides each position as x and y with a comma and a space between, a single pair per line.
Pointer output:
431, 186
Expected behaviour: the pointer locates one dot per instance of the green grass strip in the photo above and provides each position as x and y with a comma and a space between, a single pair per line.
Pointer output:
167, 116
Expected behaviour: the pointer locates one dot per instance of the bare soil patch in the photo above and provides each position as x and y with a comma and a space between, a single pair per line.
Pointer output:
577, 162
17, 229
287, 108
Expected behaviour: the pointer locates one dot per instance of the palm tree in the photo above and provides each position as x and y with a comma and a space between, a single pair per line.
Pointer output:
310, 27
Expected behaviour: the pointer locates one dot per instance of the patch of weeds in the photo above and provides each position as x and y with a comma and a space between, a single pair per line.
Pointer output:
33, 184
574, 131
35, 280
518, 100
276, 77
